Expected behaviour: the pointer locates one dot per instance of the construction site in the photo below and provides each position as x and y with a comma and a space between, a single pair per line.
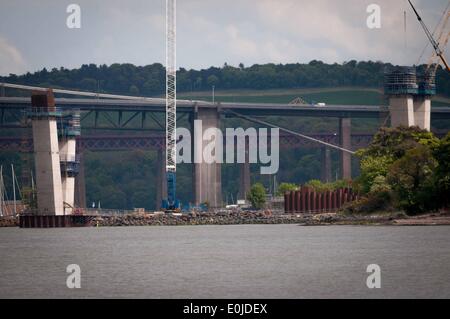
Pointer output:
58, 191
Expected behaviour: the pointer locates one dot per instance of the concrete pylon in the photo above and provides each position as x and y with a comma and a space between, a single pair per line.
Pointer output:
207, 176
345, 140
67, 156
422, 111
401, 108
46, 153
400, 85
326, 164
69, 129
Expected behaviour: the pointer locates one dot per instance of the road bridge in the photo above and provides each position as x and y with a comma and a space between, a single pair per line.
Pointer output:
135, 114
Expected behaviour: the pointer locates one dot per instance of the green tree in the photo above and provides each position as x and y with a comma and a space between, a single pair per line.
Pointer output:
318, 186
134, 90
286, 187
212, 80
442, 174
257, 195
371, 168
387, 146
412, 179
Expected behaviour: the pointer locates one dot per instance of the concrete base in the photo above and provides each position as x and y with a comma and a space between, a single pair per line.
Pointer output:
401, 109
422, 112
207, 177
48, 173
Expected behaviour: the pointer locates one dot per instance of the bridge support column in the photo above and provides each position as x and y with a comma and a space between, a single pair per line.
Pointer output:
345, 142
326, 164
46, 152
69, 129
401, 109
67, 157
161, 180
244, 175
207, 176
80, 184
422, 111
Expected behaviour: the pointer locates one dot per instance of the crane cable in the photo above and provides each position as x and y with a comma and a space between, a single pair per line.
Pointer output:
252, 119
434, 31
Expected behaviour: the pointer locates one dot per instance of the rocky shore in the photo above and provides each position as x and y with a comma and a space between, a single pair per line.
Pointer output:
9, 221
235, 218
142, 219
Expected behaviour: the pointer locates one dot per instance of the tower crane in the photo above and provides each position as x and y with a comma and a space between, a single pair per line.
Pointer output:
171, 203
436, 45
442, 38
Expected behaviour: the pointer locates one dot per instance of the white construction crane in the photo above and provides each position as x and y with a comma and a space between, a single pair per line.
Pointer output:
171, 203
437, 46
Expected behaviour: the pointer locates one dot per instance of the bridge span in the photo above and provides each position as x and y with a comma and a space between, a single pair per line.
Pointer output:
122, 114
187, 106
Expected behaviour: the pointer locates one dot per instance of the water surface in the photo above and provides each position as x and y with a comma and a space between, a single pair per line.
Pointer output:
233, 261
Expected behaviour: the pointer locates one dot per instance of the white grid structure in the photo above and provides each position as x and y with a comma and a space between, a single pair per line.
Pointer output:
171, 86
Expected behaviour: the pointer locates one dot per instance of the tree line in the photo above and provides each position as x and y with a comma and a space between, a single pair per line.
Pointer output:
149, 80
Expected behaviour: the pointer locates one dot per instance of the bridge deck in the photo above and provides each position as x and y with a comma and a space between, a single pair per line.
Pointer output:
183, 106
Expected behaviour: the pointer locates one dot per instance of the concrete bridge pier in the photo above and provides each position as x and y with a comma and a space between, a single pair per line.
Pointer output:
409, 96
207, 181
422, 111
69, 129
326, 165
244, 175
80, 184
401, 108
345, 141
46, 153
67, 158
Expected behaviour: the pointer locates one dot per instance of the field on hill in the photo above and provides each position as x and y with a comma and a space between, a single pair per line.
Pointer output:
339, 95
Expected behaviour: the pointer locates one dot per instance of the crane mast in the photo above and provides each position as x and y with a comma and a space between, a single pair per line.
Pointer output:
171, 105
433, 42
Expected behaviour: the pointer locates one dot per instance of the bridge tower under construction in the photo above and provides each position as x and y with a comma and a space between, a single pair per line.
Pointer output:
409, 94
44, 116
68, 130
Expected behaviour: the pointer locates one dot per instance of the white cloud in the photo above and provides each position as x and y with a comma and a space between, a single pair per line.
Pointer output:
11, 60
239, 45
211, 32
336, 30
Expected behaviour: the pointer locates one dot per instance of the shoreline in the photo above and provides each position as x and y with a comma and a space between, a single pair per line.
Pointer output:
237, 218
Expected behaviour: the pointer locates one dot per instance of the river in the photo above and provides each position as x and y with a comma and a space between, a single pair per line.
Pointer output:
233, 261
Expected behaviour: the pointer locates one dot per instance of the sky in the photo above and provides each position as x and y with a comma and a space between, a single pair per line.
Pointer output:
34, 34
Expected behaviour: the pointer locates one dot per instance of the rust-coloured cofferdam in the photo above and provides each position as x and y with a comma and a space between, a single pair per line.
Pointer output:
307, 200
52, 221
